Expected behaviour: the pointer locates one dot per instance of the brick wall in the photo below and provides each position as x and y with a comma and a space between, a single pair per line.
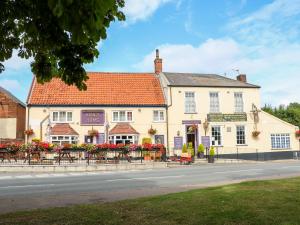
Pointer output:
11, 109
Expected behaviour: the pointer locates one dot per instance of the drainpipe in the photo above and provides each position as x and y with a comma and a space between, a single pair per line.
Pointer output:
41, 126
167, 115
27, 125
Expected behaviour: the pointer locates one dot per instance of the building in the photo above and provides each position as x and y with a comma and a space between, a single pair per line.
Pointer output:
121, 107
12, 117
181, 107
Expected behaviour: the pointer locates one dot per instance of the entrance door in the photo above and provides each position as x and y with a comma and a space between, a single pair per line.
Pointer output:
191, 136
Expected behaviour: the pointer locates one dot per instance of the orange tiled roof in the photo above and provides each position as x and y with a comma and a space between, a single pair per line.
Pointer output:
63, 129
123, 128
102, 89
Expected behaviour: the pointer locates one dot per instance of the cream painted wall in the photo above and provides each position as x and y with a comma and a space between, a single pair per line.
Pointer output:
8, 128
142, 120
267, 124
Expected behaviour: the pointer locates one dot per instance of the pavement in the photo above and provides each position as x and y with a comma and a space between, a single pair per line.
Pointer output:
25, 191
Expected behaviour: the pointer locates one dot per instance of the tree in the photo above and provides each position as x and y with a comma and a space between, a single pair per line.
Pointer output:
60, 35
290, 114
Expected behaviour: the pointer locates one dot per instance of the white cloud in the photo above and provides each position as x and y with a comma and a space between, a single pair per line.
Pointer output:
141, 9
276, 70
16, 63
11, 85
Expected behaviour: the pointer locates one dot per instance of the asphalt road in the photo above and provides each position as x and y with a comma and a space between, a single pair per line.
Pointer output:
29, 191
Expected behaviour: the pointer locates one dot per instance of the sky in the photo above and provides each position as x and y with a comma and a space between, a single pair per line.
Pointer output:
260, 38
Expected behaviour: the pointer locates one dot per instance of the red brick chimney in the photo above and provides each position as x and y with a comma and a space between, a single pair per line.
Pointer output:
242, 78
157, 63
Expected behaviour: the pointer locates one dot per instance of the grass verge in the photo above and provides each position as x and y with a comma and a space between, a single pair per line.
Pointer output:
259, 202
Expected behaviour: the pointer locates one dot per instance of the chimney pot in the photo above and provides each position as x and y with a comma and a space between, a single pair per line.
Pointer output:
242, 78
157, 63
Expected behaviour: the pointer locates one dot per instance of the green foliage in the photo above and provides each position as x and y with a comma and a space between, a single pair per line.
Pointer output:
184, 148
190, 149
212, 151
201, 148
61, 36
290, 113
146, 140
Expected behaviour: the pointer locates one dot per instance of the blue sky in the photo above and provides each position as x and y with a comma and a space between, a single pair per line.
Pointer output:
260, 38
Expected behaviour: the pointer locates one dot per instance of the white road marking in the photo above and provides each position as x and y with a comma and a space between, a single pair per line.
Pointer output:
143, 178
30, 185
238, 171
287, 167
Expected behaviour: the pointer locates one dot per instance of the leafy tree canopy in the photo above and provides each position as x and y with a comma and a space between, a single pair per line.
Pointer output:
60, 35
290, 113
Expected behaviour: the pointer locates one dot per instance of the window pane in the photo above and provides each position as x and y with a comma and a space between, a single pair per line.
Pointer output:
238, 102
129, 116
122, 115
69, 116
161, 114
115, 116
62, 116
214, 102
55, 116
216, 135
155, 115
240, 135
190, 104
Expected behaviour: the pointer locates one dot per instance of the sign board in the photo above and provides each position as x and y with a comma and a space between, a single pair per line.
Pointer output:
178, 142
205, 140
92, 117
219, 117
191, 121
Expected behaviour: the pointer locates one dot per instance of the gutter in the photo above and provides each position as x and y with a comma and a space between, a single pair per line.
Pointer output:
41, 126
167, 115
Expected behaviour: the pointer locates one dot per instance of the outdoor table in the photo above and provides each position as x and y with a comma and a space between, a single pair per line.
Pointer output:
124, 154
4, 154
66, 154
33, 155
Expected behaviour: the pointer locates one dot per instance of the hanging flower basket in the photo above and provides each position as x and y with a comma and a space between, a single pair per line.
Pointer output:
255, 133
193, 128
29, 132
152, 131
298, 133
93, 133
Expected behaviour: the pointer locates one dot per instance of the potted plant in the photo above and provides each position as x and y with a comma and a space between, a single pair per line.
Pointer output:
147, 156
201, 151
211, 157
152, 131
255, 133
191, 150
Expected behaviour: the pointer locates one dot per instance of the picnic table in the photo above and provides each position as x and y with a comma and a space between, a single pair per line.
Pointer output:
64, 155
36, 155
4, 154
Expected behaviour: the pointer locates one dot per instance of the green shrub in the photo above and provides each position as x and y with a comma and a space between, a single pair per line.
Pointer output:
147, 140
201, 148
184, 149
191, 149
212, 151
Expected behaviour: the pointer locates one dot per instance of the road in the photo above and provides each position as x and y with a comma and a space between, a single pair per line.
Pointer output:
29, 191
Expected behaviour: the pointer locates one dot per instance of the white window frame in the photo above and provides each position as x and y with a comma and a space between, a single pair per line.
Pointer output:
55, 139
236, 135
212, 136
190, 105
280, 141
238, 102
58, 116
160, 116
118, 137
214, 102
118, 117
